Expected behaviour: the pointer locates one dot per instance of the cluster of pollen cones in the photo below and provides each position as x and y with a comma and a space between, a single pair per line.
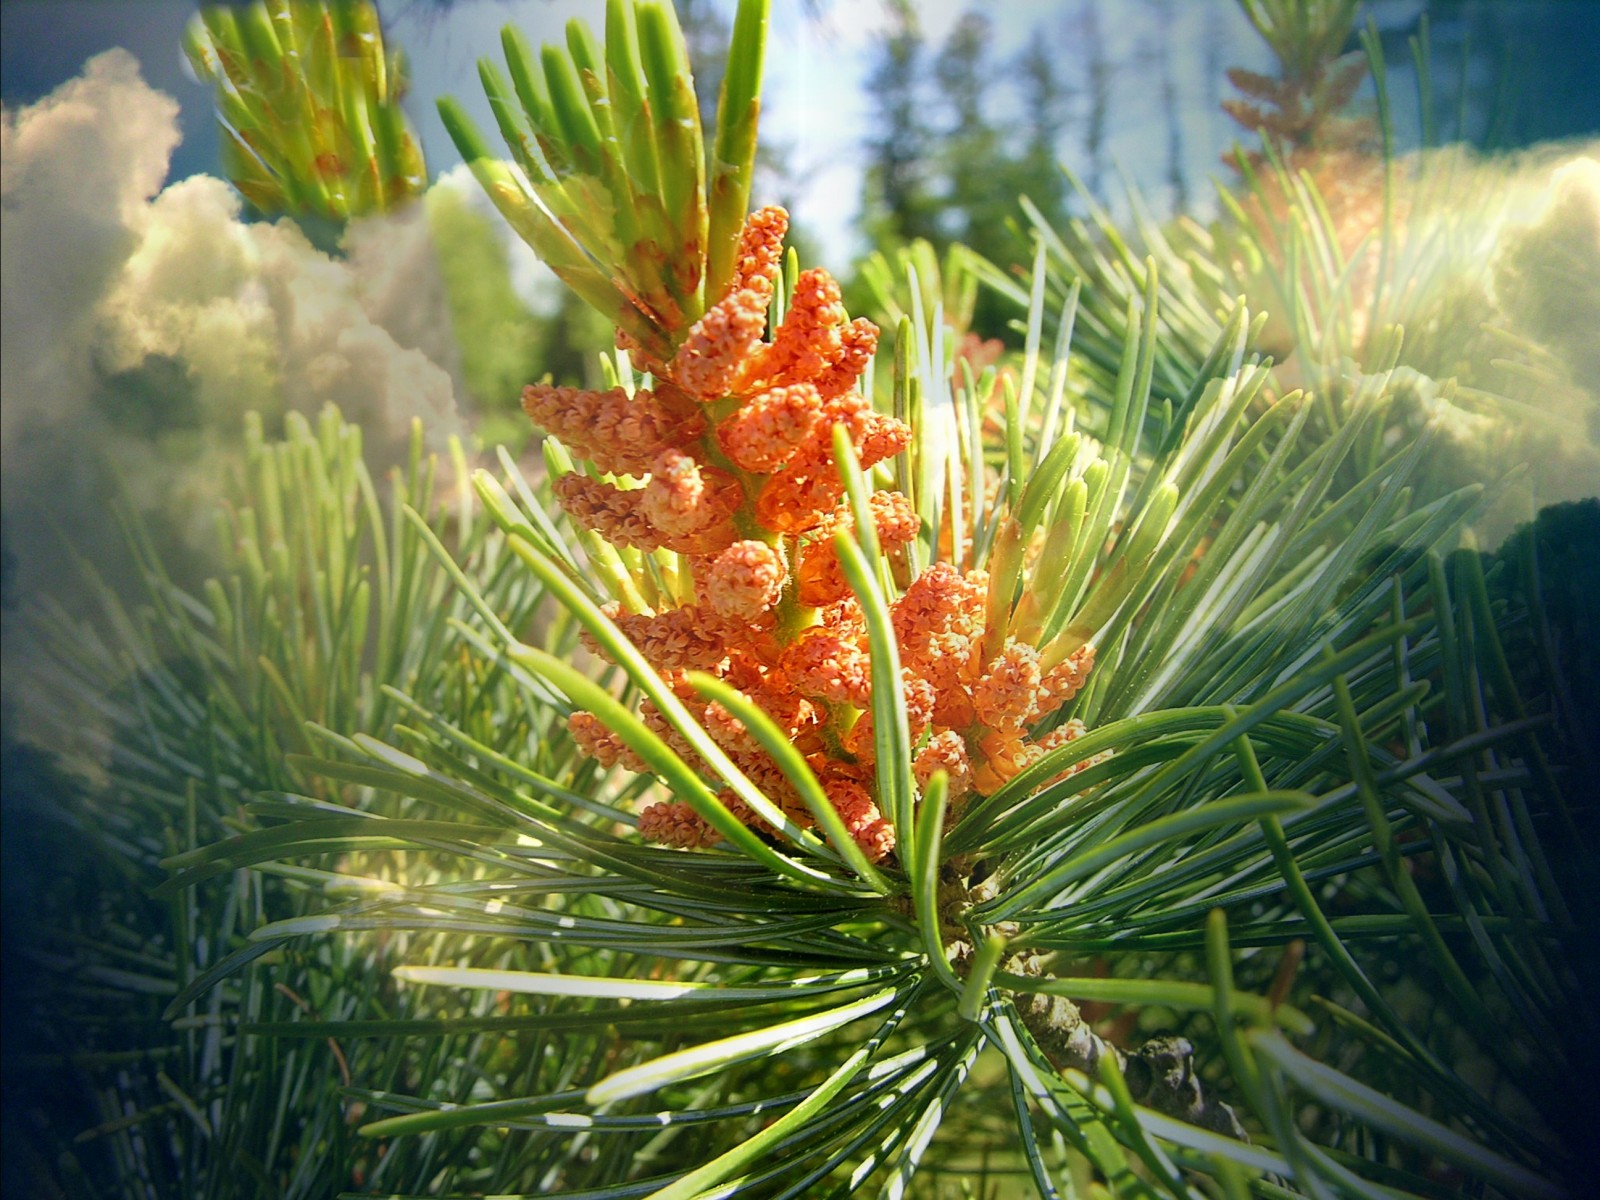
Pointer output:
728, 460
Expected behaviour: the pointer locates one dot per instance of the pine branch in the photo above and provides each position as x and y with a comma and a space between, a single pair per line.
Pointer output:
1161, 1074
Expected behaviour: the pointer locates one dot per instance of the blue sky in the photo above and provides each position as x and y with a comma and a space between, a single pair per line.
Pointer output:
821, 53
107, 272
815, 105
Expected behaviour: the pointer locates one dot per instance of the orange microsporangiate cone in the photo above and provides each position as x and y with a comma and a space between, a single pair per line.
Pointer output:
734, 446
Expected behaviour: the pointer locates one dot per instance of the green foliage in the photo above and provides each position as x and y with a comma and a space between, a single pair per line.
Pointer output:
1304, 35
612, 165
954, 179
1356, 262
1290, 723
308, 103
503, 344
899, 204
1295, 913
177, 724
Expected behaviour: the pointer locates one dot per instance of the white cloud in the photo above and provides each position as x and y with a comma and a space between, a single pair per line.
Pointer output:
75, 171
141, 323
535, 284
1546, 284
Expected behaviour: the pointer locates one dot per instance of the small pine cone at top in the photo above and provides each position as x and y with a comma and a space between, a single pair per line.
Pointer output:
674, 823
619, 433
612, 512
744, 581
765, 433
597, 741
720, 343
1063, 681
808, 342
1009, 690
946, 751
688, 638
760, 249
689, 505
820, 574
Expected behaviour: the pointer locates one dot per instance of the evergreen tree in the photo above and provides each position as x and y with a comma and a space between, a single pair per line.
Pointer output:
970, 149
705, 34
1161, 54
898, 205
1045, 98
1098, 97
956, 176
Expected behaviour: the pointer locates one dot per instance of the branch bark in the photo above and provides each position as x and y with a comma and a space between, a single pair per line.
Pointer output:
1160, 1074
